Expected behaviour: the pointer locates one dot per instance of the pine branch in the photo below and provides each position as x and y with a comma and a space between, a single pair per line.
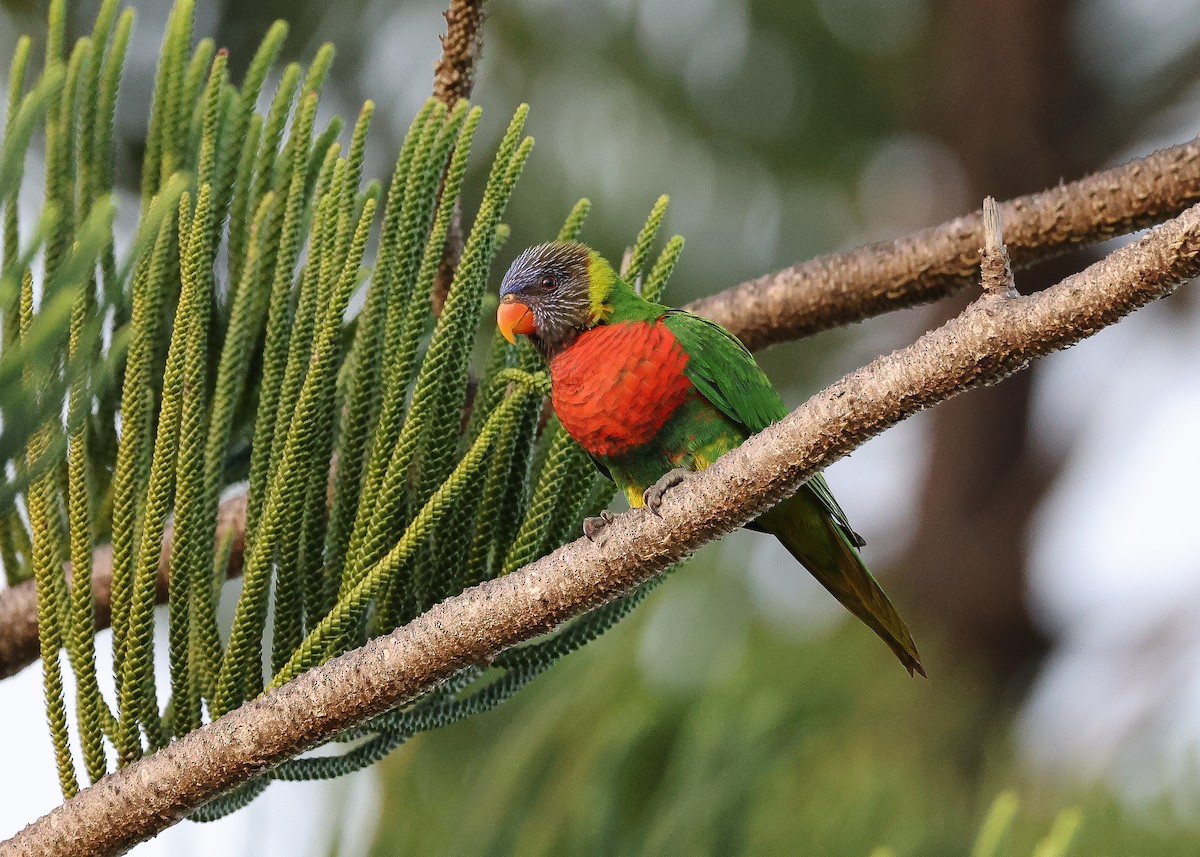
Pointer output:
997, 335
833, 290
826, 292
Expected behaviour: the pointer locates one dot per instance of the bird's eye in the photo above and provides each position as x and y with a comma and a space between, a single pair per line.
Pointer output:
549, 282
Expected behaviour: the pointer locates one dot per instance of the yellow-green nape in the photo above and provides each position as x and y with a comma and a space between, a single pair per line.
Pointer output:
601, 277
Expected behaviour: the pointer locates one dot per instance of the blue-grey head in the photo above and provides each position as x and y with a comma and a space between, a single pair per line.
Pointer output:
552, 293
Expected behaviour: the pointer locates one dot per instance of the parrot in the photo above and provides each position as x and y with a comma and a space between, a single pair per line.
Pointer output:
653, 393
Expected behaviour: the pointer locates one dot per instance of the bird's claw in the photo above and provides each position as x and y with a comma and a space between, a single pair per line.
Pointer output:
593, 526
652, 497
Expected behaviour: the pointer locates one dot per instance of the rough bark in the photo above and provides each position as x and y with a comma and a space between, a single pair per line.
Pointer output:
850, 286
840, 288
994, 337
462, 46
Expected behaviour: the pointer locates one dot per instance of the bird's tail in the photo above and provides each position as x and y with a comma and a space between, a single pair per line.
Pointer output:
812, 536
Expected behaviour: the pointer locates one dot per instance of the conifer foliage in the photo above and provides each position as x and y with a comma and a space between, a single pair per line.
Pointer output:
384, 473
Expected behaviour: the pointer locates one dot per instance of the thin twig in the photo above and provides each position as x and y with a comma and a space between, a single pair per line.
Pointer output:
451, 256
462, 46
987, 342
840, 288
453, 80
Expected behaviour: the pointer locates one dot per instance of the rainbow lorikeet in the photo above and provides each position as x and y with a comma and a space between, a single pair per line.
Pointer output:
652, 392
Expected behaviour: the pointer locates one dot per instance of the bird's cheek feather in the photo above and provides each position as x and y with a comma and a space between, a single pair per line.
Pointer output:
514, 317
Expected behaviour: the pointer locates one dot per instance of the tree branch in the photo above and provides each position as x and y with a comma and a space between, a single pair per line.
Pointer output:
18, 605
991, 339
454, 74
832, 290
453, 79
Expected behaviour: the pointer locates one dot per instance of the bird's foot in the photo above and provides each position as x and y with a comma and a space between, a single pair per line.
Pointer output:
652, 497
593, 526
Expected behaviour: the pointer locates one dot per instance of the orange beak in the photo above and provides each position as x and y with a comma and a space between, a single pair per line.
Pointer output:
513, 317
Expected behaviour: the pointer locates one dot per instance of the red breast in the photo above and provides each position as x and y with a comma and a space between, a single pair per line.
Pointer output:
616, 385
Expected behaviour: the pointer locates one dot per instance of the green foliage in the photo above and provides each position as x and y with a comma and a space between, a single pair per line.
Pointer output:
137, 382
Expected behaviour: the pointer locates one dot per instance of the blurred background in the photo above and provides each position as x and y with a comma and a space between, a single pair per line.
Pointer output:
1041, 536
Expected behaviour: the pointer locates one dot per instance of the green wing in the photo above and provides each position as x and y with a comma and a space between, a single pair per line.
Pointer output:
725, 372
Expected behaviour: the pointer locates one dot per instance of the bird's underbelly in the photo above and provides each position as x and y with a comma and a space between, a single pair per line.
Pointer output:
617, 386
695, 436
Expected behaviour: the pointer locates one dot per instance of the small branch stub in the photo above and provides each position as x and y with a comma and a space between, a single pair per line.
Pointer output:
994, 268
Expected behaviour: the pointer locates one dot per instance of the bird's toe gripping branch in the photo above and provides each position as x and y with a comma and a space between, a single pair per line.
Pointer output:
652, 497
593, 526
